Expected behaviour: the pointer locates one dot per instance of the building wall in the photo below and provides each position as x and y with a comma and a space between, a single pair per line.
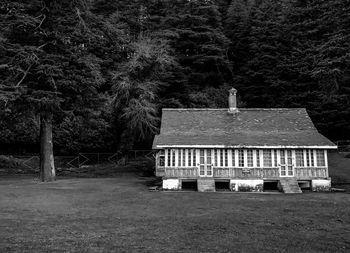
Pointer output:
320, 185
171, 184
241, 163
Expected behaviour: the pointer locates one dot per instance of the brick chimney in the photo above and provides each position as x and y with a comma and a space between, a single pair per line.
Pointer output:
232, 101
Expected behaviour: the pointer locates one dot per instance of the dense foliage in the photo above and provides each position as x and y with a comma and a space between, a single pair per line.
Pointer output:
105, 68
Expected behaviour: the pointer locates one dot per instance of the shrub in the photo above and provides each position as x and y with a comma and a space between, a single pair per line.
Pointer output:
147, 167
9, 162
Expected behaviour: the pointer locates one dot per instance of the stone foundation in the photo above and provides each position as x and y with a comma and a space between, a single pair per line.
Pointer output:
321, 185
253, 185
239, 185
171, 184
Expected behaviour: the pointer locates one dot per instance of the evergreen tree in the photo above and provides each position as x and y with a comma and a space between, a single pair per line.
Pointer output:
319, 63
238, 25
136, 87
68, 62
194, 29
48, 63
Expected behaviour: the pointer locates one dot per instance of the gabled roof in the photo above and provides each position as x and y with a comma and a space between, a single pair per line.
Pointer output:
256, 127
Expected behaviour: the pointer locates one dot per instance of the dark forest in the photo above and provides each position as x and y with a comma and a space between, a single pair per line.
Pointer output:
98, 72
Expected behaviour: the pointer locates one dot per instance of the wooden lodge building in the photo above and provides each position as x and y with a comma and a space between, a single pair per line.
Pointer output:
241, 149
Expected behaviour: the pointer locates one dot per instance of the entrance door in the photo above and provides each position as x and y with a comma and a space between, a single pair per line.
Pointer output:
286, 164
205, 164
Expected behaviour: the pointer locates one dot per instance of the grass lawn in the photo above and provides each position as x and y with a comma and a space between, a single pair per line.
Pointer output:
120, 215
339, 170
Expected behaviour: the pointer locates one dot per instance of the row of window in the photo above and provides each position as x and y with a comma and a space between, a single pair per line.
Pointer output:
242, 157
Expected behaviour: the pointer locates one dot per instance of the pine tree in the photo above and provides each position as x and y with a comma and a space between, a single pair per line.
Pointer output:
50, 62
238, 25
194, 30
320, 63
136, 87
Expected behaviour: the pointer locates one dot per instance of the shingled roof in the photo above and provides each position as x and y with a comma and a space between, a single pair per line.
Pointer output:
290, 128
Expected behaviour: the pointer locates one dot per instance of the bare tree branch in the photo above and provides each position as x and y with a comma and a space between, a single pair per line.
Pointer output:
81, 20
24, 76
43, 45
41, 22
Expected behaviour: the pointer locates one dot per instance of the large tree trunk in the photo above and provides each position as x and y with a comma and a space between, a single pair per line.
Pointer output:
47, 166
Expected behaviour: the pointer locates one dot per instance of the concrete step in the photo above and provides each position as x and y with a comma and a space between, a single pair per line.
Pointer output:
290, 185
206, 185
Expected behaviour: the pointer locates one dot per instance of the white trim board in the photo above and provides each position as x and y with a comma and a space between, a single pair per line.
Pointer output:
245, 146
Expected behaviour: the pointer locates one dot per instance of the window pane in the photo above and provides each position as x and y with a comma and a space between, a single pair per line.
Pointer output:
240, 158
290, 170
320, 158
179, 157
283, 170
201, 170
183, 158
173, 157
307, 158
161, 158
282, 157
168, 158
289, 157
312, 157
201, 156
258, 157
299, 158
250, 158
209, 170
226, 161
267, 158
233, 158
208, 156
275, 158
221, 154
189, 157
194, 157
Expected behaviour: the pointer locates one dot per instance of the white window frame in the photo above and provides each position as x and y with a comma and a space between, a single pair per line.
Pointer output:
235, 153
229, 158
161, 154
285, 162
326, 157
255, 158
305, 159
275, 158
215, 156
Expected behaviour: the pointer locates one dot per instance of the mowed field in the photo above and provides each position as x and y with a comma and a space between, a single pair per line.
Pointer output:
120, 215
339, 170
